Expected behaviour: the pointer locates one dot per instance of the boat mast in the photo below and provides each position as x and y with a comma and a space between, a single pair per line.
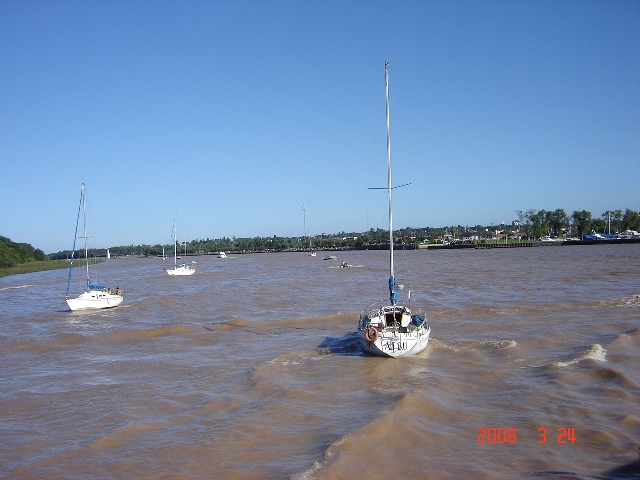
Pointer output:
84, 223
175, 242
393, 292
75, 237
304, 223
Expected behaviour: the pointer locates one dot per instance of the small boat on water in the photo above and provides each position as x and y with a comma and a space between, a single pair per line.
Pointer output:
222, 255
330, 257
392, 329
312, 252
547, 238
96, 296
629, 234
184, 269
600, 236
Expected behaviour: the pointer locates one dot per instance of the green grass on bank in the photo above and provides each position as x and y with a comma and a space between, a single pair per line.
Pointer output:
37, 266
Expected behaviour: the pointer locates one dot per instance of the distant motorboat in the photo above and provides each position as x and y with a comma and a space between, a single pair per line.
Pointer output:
222, 255
330, 257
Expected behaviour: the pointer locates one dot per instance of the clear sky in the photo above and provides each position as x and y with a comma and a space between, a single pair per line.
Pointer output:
234, 114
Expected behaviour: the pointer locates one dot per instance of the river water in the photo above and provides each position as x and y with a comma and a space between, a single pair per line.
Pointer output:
250, 369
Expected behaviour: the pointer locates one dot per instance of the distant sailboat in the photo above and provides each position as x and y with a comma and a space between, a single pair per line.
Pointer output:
390, 329
312, 253
96, 296
183, 269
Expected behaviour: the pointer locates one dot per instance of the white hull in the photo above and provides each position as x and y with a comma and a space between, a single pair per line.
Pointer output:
183, 270
94, 299
398, 331
395, 346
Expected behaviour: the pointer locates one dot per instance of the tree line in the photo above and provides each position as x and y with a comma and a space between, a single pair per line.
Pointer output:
557, 223
531, 224
12, 253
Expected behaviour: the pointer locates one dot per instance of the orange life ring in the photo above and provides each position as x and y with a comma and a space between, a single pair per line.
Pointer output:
371, 334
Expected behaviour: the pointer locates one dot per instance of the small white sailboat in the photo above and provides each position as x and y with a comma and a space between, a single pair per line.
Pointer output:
312, 253
391, 328
183, 269
96, 296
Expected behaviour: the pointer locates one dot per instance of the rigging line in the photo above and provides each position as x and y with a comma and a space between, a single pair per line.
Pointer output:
407, 266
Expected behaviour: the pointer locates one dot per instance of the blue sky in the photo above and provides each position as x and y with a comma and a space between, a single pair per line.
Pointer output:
235, 114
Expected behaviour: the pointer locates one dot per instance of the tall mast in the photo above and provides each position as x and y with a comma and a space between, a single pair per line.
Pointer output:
393, 293
75, 236
304, 219
84, 222
175, 241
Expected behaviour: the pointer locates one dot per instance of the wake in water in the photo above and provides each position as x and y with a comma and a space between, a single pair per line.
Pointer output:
16, 287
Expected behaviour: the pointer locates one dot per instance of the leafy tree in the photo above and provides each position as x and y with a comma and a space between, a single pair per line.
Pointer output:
582, 221
630, 220
12, 254
8, 256
559, 221
599, 225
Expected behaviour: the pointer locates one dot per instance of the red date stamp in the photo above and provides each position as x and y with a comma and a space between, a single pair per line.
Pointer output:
497, 435
492, 436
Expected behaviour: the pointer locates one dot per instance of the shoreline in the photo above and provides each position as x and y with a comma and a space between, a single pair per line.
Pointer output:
483, 246
32, 267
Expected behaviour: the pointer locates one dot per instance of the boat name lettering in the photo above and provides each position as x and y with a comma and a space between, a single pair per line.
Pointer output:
393, 346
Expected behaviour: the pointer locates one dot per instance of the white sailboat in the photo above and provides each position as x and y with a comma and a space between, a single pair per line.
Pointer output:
96, 296
390, 328
312, 253
183, 269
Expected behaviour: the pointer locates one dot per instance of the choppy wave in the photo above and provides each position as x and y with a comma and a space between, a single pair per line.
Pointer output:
482, 311
299, 321
239, 378
633, 301
595, 353
165, 330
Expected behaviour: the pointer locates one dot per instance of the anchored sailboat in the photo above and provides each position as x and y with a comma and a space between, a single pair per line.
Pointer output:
312, 252
183, 269
96, 296
391, 329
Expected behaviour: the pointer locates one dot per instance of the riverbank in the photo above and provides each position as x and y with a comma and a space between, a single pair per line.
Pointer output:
482, 246
39, 266
31, 267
